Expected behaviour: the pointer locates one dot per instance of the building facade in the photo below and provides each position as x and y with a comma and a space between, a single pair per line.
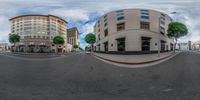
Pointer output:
72, 36
182, 46
196, 46
133, 31
37, 32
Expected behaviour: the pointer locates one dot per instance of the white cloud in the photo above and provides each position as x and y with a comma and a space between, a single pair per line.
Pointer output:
4, 29
74, 15
87, 28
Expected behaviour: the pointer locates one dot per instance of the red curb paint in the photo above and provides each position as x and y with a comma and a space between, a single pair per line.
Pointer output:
132, 63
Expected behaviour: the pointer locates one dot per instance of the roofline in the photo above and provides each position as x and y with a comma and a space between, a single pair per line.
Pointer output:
38, 15
73, 28
133, 9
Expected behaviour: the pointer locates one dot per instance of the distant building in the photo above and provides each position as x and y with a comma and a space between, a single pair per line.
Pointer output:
4, 47
183, 46
37, 32
196, 46
72, 36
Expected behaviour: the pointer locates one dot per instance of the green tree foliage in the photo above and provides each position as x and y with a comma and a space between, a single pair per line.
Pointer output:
90, 38
75, 46
58, 40
13, 38
176, 30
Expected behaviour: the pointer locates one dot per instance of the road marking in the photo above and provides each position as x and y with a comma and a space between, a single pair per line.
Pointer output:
167, 90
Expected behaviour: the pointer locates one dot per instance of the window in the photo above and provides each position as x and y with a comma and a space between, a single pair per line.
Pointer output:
163, 15
99, 47
144, 25
162, 30
144, 13
121, 44
106, 32
120, 15
144, 10
99, 36
120, 18
119, 11
144, 17
145, 43
105, 16
162, 18
105, 24
162, 45
106, 46
105, 20
120, 26
162, 22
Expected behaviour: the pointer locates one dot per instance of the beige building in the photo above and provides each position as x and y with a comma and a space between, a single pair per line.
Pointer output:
196, 46
133, 31
72, 36
37, 32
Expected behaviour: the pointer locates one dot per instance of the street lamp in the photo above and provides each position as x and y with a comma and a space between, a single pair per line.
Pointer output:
159, 36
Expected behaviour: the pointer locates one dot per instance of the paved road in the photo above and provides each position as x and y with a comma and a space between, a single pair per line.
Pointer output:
83, 77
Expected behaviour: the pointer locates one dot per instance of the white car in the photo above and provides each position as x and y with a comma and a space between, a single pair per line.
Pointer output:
87, 52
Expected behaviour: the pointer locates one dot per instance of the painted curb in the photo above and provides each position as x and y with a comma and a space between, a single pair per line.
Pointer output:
134, 63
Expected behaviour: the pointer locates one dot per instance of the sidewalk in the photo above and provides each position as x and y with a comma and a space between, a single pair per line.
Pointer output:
133, 59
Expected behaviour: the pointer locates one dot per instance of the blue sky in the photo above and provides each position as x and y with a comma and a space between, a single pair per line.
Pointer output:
84, 13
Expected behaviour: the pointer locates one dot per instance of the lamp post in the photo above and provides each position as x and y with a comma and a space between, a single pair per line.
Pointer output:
159, 36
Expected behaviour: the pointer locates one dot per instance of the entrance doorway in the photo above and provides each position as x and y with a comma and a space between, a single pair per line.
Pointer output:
105, 46
121, 44
145, 43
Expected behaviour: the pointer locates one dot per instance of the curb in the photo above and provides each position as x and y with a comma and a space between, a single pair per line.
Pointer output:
133, 63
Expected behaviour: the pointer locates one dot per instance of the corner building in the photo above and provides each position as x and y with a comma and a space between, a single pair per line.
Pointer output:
133, 31
37, 32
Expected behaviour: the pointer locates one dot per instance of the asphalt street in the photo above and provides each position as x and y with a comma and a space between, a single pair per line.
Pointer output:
83, 77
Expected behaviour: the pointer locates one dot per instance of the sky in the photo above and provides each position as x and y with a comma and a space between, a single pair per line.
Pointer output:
84, 13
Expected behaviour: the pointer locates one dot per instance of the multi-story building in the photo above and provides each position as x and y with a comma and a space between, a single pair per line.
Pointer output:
72, 36
37, 32
133, 31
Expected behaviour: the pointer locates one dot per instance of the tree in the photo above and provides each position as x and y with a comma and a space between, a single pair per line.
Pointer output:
176, 30
75, 46
58, 40
14, 38
90, 39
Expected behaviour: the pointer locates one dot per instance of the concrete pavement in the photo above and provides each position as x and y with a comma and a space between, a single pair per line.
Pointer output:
83, 77
134, 59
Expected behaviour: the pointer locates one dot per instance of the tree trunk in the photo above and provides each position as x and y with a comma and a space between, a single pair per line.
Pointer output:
15, 46
175, 44
56, 48
92, 48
